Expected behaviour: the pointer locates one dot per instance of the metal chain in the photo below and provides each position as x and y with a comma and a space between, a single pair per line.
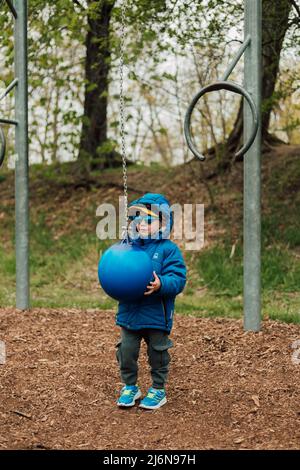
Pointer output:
122, 116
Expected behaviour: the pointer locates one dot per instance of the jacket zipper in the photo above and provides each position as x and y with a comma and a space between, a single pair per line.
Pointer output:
165, 314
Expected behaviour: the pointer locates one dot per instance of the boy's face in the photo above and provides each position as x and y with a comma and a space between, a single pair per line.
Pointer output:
146, 229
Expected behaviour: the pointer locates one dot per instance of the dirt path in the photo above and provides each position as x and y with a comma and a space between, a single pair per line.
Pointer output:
227, 389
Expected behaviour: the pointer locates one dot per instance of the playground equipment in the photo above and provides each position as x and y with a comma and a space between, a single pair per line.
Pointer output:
251, 92
18, 9
251, 48
124, 271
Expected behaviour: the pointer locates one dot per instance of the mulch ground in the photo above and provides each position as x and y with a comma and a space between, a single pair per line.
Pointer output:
227, 389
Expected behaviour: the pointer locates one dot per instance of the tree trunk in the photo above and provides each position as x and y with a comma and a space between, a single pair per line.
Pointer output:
94, 149
274, 26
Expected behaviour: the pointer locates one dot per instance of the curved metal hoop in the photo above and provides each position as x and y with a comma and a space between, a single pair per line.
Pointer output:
2, 146
222, 85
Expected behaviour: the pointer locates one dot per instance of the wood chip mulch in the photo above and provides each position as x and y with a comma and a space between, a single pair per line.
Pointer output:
227, 389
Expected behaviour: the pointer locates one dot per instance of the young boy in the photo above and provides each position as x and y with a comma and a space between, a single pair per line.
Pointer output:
150, 317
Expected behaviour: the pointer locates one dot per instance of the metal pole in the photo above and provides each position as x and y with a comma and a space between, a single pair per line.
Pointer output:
252, 176
21, 167
237, 57
9, 88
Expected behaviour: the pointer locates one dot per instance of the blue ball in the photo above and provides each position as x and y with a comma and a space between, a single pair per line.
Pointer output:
124, 271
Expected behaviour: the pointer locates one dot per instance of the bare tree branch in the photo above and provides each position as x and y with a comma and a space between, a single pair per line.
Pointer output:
297, 8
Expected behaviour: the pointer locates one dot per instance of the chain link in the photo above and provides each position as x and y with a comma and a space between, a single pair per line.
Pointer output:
122, 116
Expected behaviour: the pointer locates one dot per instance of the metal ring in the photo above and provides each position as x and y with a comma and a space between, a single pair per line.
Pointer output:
222, 85
2, 146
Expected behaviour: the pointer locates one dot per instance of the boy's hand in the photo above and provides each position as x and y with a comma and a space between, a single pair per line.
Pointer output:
155, 285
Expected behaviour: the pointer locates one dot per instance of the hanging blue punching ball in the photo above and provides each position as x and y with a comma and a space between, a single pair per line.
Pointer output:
124, 271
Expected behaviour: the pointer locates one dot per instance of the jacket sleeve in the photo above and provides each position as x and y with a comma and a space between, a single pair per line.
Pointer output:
173, 273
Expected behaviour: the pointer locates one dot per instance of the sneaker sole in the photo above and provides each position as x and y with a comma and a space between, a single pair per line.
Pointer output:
154, 407
132, 403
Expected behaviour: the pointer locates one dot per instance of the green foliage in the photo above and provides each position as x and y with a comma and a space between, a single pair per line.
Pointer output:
106, 147
220, 272
154, 29
54, 30
63, 266
280, 270
8, 263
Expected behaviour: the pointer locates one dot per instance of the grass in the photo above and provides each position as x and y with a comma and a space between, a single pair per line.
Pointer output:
63, 269
221, 278
280, 269
276, 306
64, 274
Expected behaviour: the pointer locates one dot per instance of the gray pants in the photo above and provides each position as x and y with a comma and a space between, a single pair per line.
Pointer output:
128, 348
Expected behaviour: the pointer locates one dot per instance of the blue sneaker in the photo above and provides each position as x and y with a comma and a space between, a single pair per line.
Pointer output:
155, 399
129, 394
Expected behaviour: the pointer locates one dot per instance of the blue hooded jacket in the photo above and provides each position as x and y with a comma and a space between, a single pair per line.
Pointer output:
156, 310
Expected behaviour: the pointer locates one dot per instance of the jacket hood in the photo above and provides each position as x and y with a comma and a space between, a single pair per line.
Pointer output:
159, 204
